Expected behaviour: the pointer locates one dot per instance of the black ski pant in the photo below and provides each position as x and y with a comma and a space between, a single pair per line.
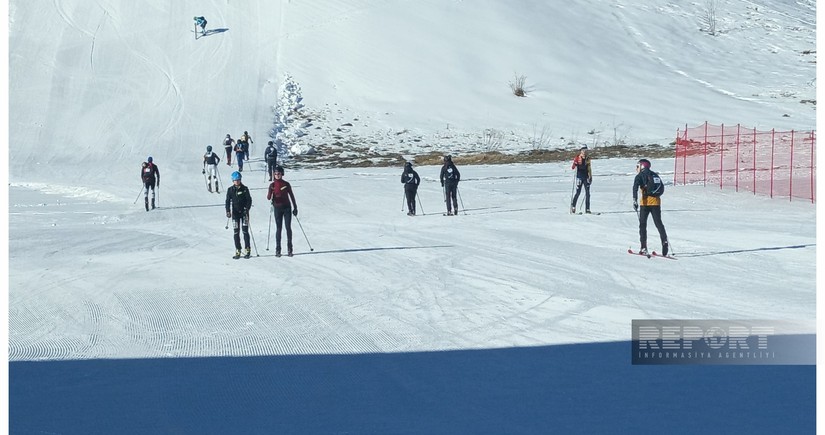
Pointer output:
270, 167
410, 191
240, 222
148, 184
656, 212
283, 217
579, 183
228, 156
451, 196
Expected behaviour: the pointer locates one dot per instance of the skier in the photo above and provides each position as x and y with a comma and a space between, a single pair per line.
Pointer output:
650, 205
210, 165
239, 153
584, 177
150, 175
228, 144
247, 140
201, 21
411, 180
271, 158
449, 181
278, 192
238, 197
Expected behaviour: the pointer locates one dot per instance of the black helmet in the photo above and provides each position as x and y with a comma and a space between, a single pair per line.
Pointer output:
209, 148
279, 170
448, 158
271, 143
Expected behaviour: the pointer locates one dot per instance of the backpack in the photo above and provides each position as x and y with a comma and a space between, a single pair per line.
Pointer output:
450, 172
653, 184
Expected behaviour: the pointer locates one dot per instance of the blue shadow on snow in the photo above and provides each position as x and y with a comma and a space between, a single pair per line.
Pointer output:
582, 388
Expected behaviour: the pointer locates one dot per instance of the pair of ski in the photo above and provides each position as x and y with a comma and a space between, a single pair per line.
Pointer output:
650, 254
593, 213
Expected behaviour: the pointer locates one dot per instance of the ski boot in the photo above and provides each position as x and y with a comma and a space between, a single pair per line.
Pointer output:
153, 203
587, 211
247, 253
278, 251
146, 204
237, 254
289, 251
665, 248
572, 210
643, 250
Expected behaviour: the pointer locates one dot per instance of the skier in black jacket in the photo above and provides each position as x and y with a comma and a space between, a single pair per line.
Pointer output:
238, 203
271, 158
449, 181
411, 181
150, 175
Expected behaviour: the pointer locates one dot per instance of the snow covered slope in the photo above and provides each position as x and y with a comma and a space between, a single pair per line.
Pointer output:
123, 321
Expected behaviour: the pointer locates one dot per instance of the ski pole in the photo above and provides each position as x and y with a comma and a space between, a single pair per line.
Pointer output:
252, 234
269, 227
158, 196
419, 202
464, 209
403, 200
227, 223
138, 197
302, 231
573, 191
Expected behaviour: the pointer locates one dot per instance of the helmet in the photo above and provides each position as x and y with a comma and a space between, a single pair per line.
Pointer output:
245, 132
271, 143
227, 135
448, 158
236, 176
209, 148
644, 163
279, 170
149, 159
408, 165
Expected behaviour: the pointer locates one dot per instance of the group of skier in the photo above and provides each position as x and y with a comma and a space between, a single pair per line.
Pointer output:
239, 147
449, 177
646, 181
284, 207
239, 202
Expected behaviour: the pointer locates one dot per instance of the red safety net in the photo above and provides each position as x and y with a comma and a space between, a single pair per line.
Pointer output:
774, 163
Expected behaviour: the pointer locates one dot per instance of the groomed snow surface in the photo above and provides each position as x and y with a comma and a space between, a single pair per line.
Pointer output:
513, 317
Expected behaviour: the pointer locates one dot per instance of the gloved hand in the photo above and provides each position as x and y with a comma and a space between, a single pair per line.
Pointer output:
228, 214
295, 212
442, 184
635, 206
590, 180
203, 171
